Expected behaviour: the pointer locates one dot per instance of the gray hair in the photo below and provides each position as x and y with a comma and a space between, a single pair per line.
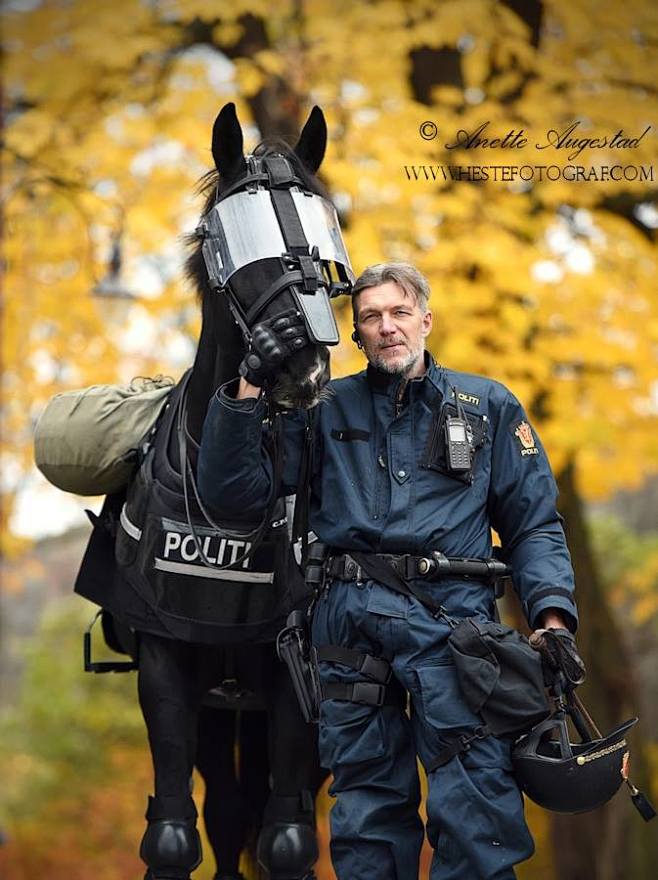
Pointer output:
407, 276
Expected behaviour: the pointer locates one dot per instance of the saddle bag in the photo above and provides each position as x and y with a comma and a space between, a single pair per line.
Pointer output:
86, 441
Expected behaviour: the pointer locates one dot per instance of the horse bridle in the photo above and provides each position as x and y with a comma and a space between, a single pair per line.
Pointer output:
292, 215
276, 197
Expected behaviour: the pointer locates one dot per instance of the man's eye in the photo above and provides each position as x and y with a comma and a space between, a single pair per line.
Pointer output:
402, 312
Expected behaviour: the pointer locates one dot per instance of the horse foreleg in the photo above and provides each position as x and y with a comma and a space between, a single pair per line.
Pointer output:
170, 695
255, 766
228, 805
287, 846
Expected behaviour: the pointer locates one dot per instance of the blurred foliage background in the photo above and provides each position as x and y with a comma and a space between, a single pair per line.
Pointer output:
546, 285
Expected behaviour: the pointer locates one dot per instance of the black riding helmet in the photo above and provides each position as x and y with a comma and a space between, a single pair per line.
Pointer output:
570, 777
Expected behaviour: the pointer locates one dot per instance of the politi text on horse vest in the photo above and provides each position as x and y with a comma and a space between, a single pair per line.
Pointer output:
218, 551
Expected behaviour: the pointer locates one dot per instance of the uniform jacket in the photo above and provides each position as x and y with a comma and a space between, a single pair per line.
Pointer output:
381, 481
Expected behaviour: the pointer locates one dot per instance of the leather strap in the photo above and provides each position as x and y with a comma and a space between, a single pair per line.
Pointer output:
271, 293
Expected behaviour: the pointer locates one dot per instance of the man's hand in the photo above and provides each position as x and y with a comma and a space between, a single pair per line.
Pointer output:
246, 391
557, 647
552, 619
272, 343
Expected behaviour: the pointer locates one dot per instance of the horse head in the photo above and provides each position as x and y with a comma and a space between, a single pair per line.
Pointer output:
257, 250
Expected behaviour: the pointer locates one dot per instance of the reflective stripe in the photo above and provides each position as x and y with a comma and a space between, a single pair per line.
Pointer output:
243, 577
127, 526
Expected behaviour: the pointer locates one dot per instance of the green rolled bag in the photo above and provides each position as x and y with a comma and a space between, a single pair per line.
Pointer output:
86, 441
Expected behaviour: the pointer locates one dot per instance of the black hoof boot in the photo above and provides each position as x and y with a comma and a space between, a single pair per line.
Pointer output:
287, 845
171, 847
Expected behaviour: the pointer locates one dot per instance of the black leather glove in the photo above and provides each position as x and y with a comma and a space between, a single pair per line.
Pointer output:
559, 654
272, 343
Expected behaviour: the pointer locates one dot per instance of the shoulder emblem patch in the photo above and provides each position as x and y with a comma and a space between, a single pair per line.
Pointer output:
523, 432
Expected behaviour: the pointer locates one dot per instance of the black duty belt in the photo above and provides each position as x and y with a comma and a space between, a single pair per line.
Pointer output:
435, 565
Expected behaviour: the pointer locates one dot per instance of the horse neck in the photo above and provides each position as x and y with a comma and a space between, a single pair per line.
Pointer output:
219, 352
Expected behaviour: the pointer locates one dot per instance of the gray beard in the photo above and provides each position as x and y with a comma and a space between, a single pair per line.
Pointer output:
401, 368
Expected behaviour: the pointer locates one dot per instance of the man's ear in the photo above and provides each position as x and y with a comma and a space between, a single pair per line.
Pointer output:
427, 323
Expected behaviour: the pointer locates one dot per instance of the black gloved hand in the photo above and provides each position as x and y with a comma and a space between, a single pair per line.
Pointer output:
272, 343
559, 654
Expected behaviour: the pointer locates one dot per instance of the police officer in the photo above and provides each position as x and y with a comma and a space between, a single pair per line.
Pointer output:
410, 458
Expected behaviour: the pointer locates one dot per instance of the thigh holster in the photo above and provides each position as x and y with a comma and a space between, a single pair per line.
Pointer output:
375, 690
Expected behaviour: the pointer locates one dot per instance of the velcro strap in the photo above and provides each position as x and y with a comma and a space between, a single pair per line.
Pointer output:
366, 693
376, 668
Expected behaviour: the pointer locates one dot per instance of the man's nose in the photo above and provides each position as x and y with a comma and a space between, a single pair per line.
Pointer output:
387, 326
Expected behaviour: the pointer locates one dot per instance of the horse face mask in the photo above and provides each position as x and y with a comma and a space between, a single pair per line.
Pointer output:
270, 214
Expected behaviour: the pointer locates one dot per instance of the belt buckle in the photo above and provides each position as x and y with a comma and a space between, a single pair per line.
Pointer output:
377, 668
368, 693
353, 569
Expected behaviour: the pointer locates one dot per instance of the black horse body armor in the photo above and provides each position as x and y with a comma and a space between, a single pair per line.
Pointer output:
159, 582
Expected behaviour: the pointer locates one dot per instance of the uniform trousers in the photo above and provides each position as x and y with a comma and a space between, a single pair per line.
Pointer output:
475, 819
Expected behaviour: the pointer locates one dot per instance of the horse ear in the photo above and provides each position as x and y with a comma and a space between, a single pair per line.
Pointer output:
227, 143
313, 140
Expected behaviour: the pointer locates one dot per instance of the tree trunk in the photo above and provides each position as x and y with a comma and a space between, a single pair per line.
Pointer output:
612, 843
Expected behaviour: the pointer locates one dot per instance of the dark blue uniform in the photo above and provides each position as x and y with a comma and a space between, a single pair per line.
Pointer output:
382, 484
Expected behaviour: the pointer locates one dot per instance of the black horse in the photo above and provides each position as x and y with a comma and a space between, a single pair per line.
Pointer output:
186, 647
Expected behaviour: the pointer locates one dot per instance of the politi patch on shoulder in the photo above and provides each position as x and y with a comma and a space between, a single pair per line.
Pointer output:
523, 432
468, 398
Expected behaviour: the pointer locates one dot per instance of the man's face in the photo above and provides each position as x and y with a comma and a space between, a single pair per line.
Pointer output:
392, 328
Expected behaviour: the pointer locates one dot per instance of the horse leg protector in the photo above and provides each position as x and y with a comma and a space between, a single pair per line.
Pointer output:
170, 848
287, 845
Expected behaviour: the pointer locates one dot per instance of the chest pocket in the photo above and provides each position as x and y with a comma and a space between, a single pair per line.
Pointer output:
435, 456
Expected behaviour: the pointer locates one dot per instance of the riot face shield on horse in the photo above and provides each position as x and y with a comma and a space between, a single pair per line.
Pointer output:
272, 244
273, 216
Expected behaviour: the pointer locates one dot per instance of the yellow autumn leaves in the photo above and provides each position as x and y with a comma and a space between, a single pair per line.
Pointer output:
548, 286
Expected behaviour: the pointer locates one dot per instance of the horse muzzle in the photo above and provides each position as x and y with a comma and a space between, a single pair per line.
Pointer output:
302, 382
